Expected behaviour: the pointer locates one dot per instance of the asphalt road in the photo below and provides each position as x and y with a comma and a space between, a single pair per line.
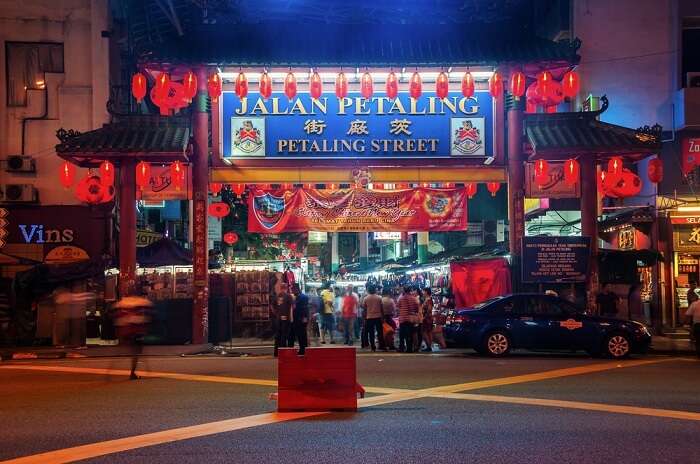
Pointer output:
449, 407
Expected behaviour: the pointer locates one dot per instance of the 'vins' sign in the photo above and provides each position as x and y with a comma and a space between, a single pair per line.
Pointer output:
35, 233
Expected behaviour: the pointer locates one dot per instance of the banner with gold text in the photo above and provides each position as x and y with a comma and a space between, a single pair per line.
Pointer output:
357, 210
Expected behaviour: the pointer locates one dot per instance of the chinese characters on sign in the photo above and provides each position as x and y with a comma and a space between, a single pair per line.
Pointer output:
687, 237
331, 127
625, 238
555, 259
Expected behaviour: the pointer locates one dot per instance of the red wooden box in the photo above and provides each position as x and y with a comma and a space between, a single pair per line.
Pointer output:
323, 379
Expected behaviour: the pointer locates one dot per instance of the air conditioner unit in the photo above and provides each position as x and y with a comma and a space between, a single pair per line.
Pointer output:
17, 163
692, 79
19, 193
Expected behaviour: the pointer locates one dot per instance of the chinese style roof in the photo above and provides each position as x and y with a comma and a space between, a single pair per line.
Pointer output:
632, 216
162, 139
563, 135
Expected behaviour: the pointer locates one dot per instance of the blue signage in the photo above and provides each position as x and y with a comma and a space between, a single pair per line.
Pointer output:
355, 127
549, 259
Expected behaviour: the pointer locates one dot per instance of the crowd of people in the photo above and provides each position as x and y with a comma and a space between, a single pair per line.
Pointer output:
334, 315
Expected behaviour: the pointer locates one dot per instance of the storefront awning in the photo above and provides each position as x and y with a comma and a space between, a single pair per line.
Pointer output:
160, 138
560, 136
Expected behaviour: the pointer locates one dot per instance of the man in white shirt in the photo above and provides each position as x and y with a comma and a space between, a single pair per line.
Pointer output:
693, 314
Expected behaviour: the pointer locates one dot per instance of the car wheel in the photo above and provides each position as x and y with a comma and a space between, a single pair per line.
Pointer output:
617, 346
496, 344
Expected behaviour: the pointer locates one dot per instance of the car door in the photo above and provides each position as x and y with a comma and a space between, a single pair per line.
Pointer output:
520, 321
551, 320
584, 331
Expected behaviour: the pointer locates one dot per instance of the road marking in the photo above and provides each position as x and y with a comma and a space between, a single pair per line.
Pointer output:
93, 450
601, 407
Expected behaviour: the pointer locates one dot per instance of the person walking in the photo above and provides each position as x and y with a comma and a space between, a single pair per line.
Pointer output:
349, 315
300, 319
282, 314
408, 316
131, 322
388, 312
372, 304
427, 323
693, 316
327, 317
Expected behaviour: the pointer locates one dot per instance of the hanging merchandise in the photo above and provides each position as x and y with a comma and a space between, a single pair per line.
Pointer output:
570, 84
143, 174
442, 86
655, 170
315, 86
219, 210
341, 86
215, 188
290, 86
189, 84
366, 86
138, 87
392, 86
265, 85
517, 84
214, 86
493, 187
468, 85
415, 86
67, 174
107, 172
571, 172
496, 85
471, 189
241, 85
541, 172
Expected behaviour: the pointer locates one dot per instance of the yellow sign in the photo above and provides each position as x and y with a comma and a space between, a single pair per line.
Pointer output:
66, 254
146, 237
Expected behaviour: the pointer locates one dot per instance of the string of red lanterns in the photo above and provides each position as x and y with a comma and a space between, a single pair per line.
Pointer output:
442, 86
241, 85
315, 86
392, 86
415, 86
572, 170
290, 85
467, 85
214, 86
517, 84
366, 86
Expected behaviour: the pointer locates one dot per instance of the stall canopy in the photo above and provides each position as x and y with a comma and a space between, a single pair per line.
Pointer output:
164, 252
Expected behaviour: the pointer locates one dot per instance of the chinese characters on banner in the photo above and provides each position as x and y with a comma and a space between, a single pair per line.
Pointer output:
357, 210
200, 245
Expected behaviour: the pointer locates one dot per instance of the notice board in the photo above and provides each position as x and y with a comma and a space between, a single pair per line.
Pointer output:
555, 259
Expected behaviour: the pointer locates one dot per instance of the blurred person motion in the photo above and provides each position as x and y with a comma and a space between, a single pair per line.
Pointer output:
131, 322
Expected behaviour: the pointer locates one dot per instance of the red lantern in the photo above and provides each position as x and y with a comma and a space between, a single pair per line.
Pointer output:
415, 86
341, 86
615, 166
215, 188
214, 87
138, 87
570, 84
392, 85
265, 85
655, 170
517, 84
143, 174
366, 86
162, 85
67, 174
442, 86
107, 172
571, 172
177, 174
544, 84
241, 85
628, 184
496, 85
93, 191
541, 171
468, 85
189, 84
238, 189
230, 238
471, 189
493, 187
315, 86
219, 210
290, 85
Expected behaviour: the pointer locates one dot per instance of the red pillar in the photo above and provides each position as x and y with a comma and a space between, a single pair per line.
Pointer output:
127, 227
200, 187
589, 221
516, 185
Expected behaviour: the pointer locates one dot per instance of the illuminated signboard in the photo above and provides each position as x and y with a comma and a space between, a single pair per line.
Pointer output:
352, 127
318, 237
387, 235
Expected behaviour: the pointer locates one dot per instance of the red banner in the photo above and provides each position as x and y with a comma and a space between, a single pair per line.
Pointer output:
476, 281
357, 210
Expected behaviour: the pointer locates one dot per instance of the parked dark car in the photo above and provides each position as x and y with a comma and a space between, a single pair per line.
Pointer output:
542, 322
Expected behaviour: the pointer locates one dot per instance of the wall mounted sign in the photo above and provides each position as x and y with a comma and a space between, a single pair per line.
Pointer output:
352, 127
555, 187
687, 237
357, 210
161, 187
387, 235
146, 237
685, 220
65, 255
555, 259
625, 238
